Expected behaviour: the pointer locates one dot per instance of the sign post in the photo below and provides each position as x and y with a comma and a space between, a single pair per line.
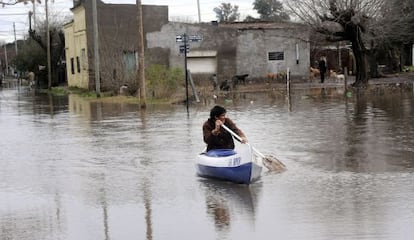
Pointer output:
185, 48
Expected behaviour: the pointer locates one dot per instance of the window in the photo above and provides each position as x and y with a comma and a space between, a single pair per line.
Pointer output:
78, 64
276, 56
130, 61
83, 58
72, 65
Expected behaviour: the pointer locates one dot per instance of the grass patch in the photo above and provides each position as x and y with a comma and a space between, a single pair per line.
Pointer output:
106, 97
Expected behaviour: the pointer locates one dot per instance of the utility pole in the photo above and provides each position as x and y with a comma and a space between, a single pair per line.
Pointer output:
199, 14
96, 48
15, 39
141, 56
34, 14
49, 68
5, 58
186, 70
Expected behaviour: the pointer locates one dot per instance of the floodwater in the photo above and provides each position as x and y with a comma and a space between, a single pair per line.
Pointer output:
75, 170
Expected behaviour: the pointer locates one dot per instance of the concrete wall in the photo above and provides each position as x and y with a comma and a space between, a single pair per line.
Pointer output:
118, 33
241, 48
254, 46
216, 39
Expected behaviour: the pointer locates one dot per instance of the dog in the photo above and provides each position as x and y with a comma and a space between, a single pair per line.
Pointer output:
336, 76
314, 73
276, 76
237, 79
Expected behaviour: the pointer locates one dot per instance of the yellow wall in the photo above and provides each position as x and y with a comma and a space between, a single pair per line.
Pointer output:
75, 44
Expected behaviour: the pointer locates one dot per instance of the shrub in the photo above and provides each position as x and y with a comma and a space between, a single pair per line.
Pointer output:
162, 82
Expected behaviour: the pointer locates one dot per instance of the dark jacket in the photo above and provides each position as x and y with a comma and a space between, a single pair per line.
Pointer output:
322, 66
224, 139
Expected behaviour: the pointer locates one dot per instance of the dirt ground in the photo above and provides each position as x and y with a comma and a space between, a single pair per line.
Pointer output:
252, 86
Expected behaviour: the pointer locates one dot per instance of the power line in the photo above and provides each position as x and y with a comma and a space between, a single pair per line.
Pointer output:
13, 14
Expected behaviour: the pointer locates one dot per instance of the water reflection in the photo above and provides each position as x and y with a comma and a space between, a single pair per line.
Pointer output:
226, 202
74, 169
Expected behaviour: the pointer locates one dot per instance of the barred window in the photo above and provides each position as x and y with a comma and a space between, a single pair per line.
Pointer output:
72, 65
78, 64
276, 56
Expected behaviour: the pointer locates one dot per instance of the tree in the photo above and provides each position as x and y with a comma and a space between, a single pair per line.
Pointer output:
14, 2
393, 33
341, 20
227, 13
270, 10
30, 56
57, 40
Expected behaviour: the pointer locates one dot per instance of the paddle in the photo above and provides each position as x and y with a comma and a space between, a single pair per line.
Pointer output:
270, 162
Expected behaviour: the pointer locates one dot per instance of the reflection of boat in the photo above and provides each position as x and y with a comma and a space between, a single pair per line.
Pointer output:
239, 165
226, 201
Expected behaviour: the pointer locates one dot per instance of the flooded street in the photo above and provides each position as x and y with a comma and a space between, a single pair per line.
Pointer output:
72, 170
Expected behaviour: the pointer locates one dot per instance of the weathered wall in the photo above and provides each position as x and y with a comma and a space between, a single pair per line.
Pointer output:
75, 42
254, 44
221, 40
241, 48
118, 33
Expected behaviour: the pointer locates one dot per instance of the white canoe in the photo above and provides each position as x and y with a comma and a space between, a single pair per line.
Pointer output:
240, 165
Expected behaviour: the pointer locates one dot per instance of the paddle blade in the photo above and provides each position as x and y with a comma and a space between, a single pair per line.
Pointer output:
273, 164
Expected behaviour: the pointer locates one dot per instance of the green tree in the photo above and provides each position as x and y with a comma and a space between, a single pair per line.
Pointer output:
271, 10
30, 56
227, 13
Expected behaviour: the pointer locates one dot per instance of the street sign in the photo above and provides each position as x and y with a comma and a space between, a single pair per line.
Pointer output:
179, 38
182, 47
195, 38
190, 38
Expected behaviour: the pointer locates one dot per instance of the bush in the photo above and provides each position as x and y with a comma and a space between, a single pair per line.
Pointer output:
162, 82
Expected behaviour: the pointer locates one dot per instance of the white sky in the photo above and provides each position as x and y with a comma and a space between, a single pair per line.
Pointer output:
182, 9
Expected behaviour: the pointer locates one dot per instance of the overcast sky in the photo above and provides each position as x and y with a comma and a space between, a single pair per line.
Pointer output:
178, 9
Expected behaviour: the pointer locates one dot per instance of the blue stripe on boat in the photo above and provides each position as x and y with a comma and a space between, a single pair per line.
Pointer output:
220, 152
239, 174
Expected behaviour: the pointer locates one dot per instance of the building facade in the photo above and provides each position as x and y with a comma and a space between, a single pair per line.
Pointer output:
256, 49
118, 42
241, 48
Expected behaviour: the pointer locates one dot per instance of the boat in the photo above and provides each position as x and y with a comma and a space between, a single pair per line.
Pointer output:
240, 165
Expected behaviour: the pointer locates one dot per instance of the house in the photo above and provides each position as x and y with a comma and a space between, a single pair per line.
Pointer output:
226, 49
238, 48
118, 41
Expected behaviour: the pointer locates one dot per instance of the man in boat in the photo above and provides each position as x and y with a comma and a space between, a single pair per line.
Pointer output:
216, 137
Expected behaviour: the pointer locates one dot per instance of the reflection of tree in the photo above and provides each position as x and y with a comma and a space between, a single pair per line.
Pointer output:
356, 128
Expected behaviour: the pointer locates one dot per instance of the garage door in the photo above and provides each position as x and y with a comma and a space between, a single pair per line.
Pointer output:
202, 61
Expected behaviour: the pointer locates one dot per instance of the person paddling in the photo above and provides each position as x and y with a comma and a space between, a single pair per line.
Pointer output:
214, 136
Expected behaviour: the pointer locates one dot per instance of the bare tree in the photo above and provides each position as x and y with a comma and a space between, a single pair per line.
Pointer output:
14, 2
393, 34
339, 20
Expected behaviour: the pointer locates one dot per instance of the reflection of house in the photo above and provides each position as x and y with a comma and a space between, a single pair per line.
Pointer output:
238, 48
118, 34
